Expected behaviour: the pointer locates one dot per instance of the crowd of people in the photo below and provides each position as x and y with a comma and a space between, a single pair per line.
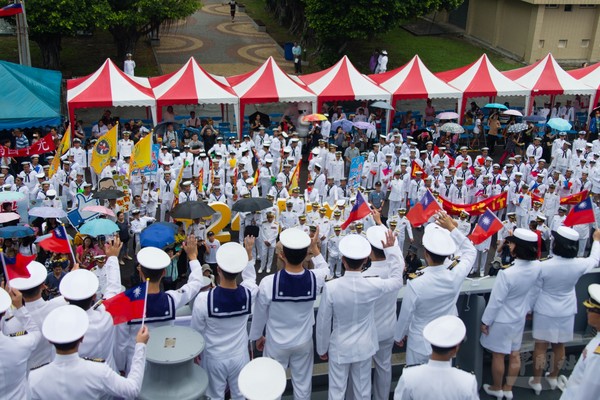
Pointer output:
303, 238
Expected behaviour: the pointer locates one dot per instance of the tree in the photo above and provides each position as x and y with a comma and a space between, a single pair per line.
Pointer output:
335, 23
129, 20
51, 20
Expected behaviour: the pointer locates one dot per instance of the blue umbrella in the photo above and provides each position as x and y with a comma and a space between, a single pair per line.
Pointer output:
344, 123
496, 105
559, 124
99, 226
14, 232
157, 235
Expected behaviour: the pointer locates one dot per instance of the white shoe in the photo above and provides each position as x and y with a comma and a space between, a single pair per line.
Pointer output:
268, 270
508, 394
481, 274
260, 270
553, 382
498, 394
562, 382
537, 387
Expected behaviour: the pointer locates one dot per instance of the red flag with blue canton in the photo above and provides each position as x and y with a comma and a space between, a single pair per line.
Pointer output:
574, 198
128, 305
487, 225
423, 210
58, 242
360, 210
11, 9
17, 267
582, 213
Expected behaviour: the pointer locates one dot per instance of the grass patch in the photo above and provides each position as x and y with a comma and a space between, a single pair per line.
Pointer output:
439, 53
82, 56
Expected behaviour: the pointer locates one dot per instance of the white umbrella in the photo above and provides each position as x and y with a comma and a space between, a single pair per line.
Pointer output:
452, 128
8, 216
513, 112
100, 210
447, 115
382, 104
47, 212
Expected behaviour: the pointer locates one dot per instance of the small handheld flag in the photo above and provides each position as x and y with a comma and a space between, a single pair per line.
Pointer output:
423, 210
487, 225
582, 213
128, 305
360, 210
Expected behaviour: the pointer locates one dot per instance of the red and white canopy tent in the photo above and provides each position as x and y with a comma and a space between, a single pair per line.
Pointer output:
590, 76
414, 81
343, 82
191, 84
480, 79
267, 84
109, 87
547, 78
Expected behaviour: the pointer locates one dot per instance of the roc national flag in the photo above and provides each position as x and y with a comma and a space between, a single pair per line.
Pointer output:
128, 305
142, 154
104, 149
58, 242
487, 225
582, 213
17, 267
423, 210
63, 147
360, 210
11, 9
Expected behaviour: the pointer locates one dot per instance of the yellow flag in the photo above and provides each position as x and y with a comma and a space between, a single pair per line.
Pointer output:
295, 176
142, 153
177, 186
104, 149
63, 147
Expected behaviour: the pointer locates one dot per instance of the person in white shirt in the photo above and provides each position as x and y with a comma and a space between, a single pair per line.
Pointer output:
267, 236
125, 145
129, 65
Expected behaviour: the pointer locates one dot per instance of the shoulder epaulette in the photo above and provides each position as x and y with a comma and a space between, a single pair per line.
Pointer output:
20, 333
412, 365
454, 263
39, 366
371, 276
414, 275
9, 318
422, 267
545, 258
597, 351
98, 360
507, 266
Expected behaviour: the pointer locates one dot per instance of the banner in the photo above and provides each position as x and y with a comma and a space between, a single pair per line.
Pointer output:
355, 174
141, 156
574, 198
494, 203
295, 176
63, 147
44, 145
104, 149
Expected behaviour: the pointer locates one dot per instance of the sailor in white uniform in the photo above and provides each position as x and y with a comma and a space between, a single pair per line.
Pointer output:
288, 311
221, 316
503, 320
434, 291
438, 379
385, 313
556, 305
16, 348
69, 373
346, 329
583, 383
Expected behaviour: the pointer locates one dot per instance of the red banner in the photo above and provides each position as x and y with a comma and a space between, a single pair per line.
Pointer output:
574, 198
495, 203
44, 145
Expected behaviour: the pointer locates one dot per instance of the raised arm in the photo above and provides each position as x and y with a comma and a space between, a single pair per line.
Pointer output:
113, 271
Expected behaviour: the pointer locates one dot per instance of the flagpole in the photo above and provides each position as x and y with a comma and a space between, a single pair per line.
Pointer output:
6, 280
70, 247
145, 301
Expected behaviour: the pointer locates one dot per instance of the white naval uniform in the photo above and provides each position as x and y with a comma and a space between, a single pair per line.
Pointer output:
509, 303
226, 334
268, 233
84, 379
385, 319
289, 324
347, 305
16, 350
432, 295
556, 305
436, 380
334, 258
583, 384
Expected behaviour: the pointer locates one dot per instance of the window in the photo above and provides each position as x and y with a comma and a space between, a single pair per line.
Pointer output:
585, 43
551, 5
568, 7
541, 44
562, 43
587, 6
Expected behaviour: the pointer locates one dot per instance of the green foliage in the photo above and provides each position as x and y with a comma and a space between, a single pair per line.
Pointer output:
63, 17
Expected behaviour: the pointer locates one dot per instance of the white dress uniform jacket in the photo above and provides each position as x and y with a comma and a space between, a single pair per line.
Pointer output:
583, 383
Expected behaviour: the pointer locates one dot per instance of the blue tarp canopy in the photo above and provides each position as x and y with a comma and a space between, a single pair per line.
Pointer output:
29, 97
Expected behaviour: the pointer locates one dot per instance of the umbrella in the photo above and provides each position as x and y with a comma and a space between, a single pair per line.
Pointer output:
265, 120
496, 105
382, 104
452, 127
362, 125
447, 115
534, 118
517, 128
314, 118
108, 194
344, 123
191, 210
11, 196
157, 235
41, 238
516, 113
47, 212
99, 209
160, 129
251, 204
8, 216
169, 225
97, 227
15, 232
559, 124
